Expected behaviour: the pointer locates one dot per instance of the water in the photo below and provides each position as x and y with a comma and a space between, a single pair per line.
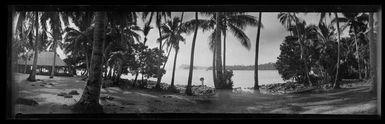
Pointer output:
241, 78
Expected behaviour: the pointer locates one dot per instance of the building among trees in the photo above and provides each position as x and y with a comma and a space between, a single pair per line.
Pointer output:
44, 65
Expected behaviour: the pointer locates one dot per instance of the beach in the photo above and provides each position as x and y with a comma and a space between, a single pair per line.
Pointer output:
348, 100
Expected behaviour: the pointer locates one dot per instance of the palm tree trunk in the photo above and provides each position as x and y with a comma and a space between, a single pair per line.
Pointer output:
89, 102
190, 73
120, 66
214, 69
136, 79
87, 64
336, 83
32, 76
300, 38
218, 53
168, 54
54, 59
157, 86
357, 56
142, 79
173, 69
224, 51
256, 86
373, 55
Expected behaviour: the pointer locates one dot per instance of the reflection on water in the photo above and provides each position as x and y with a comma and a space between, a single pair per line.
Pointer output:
241, 78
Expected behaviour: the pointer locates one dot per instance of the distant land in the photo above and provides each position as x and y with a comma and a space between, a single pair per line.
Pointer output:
185, 66
266, 66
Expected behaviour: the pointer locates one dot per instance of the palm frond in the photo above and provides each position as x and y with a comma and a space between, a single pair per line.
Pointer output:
241, 36
242, 21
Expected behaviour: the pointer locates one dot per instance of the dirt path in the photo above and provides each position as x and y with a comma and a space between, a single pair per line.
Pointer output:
355, 100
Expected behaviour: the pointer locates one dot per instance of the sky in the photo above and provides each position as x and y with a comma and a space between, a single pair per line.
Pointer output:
271, 37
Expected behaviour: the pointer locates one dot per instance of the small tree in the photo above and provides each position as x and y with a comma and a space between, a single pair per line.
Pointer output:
289, 63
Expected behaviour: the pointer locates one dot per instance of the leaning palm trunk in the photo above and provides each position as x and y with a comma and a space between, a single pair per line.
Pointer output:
219, 76
173, 69
168, 54
190, 74
256, 86
358, 57
54, 60
32, 76
89, 102
336, 83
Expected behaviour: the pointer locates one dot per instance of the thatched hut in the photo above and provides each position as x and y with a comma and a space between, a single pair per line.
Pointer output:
44, 65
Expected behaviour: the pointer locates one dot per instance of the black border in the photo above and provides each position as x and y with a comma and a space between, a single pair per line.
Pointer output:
298, 6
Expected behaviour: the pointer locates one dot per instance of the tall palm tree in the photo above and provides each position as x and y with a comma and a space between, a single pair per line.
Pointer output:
236, 23
123, 25
159, 16
221, 22
190, 74
218, 62
89, 102
256, 86
356, 23
287, 19
56, 32
78, 41
172, 33
32, 76
336, 83
22, 36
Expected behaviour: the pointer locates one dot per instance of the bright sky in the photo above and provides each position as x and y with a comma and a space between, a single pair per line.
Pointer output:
271, 37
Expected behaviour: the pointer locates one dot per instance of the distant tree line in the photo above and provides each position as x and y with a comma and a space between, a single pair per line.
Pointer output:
266, 66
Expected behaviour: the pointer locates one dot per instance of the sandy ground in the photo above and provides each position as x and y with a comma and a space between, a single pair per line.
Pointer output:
352, 100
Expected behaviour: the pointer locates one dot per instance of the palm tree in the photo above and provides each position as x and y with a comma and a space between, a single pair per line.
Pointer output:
287, 19
122, 28
356, 23
221, 22
190, 74
218, 62
56, 32
336, 83
79, 41
326, 34
236, 23
22, 36
172, 33
32, 76
89, 102
256, 86
159, 16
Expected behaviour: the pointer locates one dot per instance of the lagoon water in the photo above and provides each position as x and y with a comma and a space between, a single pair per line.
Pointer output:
241, 78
